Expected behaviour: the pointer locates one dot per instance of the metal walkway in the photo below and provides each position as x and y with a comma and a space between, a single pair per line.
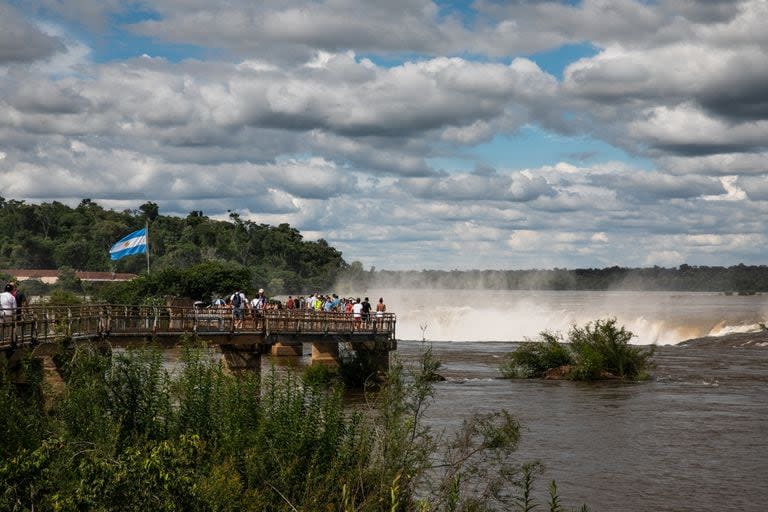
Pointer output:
38, 325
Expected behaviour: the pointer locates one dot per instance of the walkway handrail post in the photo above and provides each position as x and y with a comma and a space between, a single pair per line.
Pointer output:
45, 324
33, 331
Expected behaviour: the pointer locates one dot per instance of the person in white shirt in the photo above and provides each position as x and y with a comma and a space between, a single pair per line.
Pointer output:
258, 305
7, 304
357, 312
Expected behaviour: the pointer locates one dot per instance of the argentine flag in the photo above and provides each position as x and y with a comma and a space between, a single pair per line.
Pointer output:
135, 243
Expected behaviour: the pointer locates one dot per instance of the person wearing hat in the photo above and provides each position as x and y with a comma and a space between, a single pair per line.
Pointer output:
258, 303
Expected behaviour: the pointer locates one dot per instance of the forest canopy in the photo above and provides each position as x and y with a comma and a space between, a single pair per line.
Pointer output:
54, 236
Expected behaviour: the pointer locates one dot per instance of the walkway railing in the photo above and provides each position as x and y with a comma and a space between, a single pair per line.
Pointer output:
55, 323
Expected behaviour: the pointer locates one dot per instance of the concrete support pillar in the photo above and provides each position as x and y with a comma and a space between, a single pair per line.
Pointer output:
325, 352
28, 368
287, 349
53, 383
22, 366
375, 352
241, 358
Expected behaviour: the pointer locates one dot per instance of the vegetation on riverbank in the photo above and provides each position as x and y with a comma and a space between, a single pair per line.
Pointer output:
599, 350
127, 434
56, 236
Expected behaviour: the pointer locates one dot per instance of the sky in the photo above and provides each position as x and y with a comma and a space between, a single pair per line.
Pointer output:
409, 134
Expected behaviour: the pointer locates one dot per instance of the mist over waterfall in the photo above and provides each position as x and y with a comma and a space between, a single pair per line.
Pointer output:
513, 315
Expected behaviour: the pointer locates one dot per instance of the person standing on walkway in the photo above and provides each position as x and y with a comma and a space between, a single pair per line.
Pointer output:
7, 304
366, 313
239, 303
357, 311
21, 300
259, 303
381, 308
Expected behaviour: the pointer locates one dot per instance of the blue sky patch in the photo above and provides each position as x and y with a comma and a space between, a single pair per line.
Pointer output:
532, 147
555, 61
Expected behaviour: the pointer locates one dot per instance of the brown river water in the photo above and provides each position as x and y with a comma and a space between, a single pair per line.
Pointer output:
692, 438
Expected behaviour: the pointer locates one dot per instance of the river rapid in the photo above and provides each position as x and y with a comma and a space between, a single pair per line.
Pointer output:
484, 315
693, 438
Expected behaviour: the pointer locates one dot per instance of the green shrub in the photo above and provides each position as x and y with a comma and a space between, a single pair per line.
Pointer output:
137, 389
84, 408
598, 350
534, 359
60, 297
319, 375
22, 421
603, 349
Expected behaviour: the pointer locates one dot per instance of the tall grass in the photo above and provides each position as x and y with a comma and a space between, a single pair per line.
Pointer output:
129, 435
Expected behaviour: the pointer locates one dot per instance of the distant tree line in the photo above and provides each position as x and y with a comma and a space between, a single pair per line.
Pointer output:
743, 279
55, 236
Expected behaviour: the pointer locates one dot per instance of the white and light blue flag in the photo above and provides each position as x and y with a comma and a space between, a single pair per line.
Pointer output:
135, 243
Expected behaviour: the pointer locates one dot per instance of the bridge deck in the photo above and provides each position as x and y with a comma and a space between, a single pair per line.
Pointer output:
54, 324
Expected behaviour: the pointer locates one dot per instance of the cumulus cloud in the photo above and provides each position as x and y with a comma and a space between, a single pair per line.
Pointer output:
21, 41
695, 86
473, 187
687, 130
657, 186
717, 165
755, 187
376, 125
194, 105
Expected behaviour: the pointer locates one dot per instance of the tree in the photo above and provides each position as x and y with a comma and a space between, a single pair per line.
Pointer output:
151, 210
68, 280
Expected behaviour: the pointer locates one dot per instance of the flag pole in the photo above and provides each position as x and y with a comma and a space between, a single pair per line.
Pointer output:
146, 225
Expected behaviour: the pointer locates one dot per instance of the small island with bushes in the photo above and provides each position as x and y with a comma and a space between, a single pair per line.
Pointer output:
598, 351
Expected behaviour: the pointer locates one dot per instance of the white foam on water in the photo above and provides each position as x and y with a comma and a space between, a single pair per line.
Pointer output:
654, 317
724, 329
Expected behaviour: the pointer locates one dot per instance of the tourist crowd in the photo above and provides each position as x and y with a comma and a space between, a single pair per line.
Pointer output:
360, 310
